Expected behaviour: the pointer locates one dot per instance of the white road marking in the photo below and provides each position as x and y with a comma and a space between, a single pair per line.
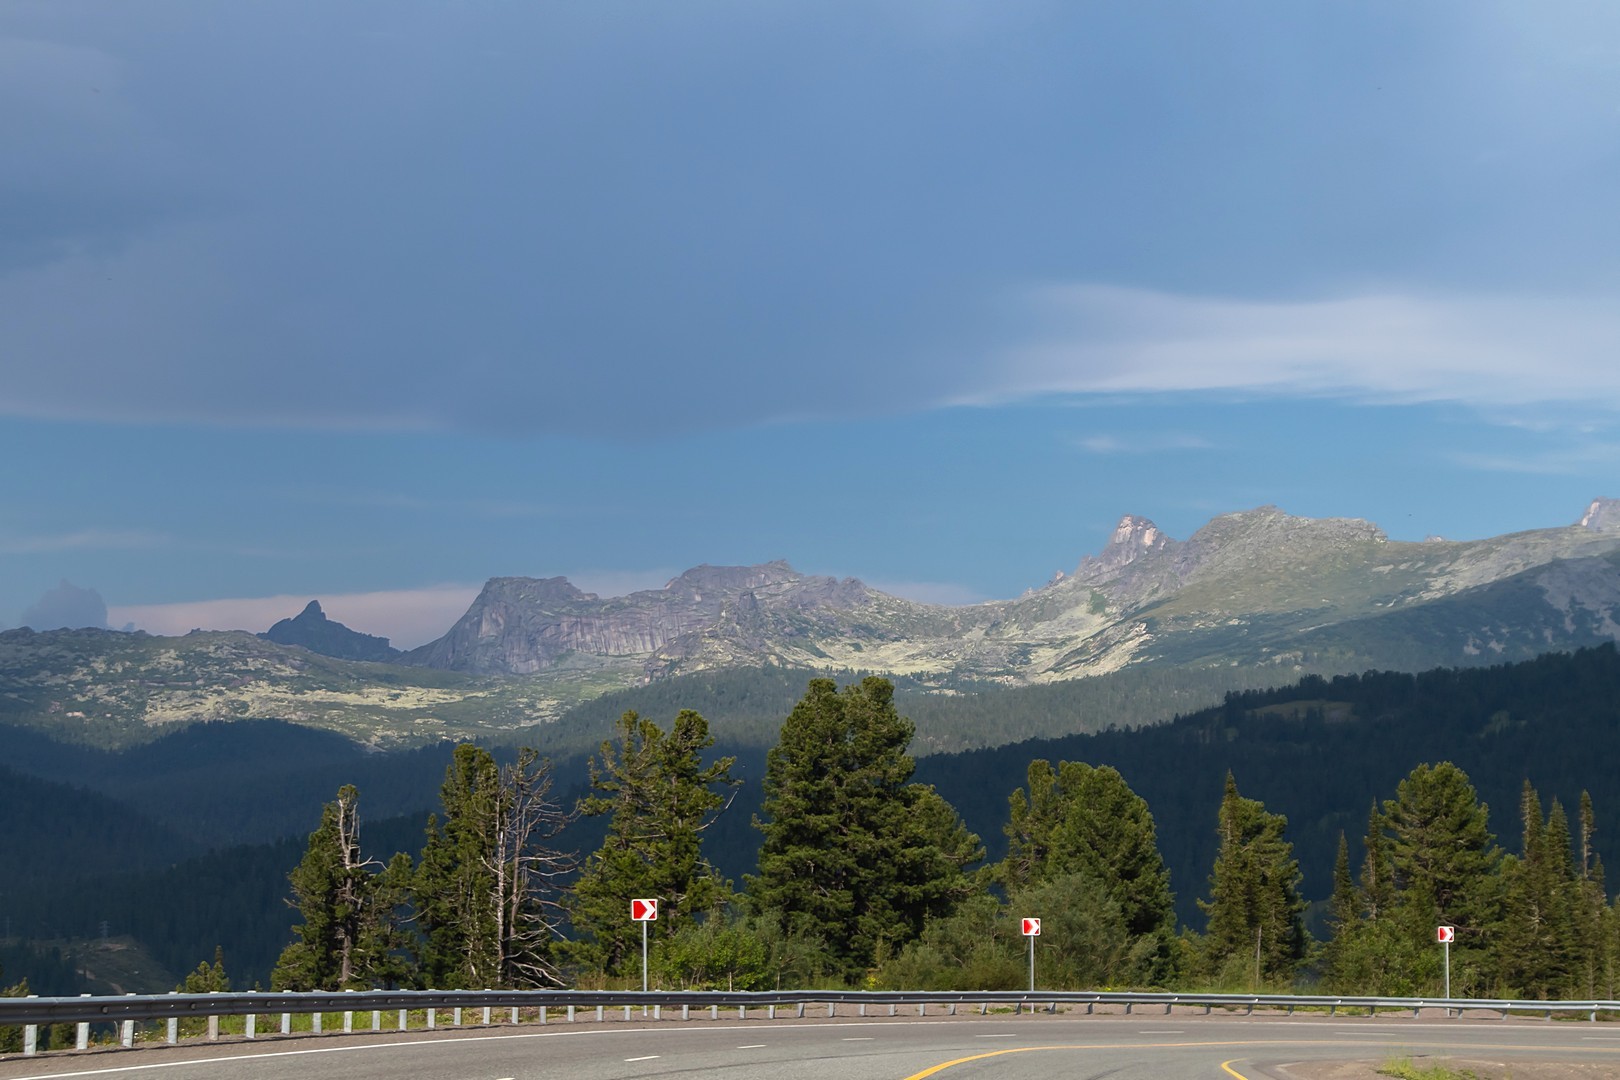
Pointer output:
752, 1046
649, 1057
1601, 1038
1161, 1032
863, 1038
1007, 1036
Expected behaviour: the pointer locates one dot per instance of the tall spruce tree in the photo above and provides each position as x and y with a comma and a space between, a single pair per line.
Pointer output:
1254, 906
486, 884
661, 798
1080, 819
350, 935
1536, 942
1446, 866
852, 849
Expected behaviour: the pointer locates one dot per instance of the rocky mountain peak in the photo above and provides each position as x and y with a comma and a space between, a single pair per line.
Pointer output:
1602, 516
708, 578
312, 630
1132, 538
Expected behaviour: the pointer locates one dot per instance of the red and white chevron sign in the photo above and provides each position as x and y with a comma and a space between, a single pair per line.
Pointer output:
1032, 928
1445, 935
644, 911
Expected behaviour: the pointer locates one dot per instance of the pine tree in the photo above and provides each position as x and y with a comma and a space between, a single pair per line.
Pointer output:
661, 798
350, 936
1446, 867
1592, 974
485, 886
1344, 917
852, 849
1255, 911
1081, 819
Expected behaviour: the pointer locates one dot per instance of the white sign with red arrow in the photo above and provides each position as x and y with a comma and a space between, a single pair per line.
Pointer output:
1445, 935
644, 911
1032, 928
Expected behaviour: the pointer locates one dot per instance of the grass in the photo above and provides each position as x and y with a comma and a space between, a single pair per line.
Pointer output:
1403, 1069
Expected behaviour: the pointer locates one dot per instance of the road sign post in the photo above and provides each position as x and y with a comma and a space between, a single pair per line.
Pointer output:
1032, 930
643, 912
1445, 935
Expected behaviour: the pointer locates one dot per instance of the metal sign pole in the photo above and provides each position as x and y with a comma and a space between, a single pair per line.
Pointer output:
644, 956
1448, 975
1032, 964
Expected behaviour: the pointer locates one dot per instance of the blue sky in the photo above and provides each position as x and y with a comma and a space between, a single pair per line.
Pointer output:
369, 302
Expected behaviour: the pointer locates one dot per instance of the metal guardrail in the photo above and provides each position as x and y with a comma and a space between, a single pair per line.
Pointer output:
126, 1011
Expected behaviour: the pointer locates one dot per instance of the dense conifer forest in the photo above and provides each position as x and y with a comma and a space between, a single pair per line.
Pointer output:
1314, 786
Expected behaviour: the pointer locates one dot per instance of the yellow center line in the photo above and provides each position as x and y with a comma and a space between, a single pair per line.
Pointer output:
1225, 1065
942, 1066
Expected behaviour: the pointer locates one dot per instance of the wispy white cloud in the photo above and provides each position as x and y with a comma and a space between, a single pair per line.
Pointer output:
1387, 347
1554, 461
84, 540
1148, 442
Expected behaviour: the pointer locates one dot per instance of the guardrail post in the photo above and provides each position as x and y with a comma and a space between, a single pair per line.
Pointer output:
686, 1012
433, 1018
127, 1032
286, 1021
714, 1012
658, 1012
627, 1012
892, 1007
404, 1018
376, 1019
1207, 1007
250, 1023
1168, 1006
31, 1037
348, 1018
832, 1009
770, 1012
486, 1014
316, 1020
570, 1014
1549, 1014
457, 1016
542, 1015
82, 1036
863, 1008
984, 1008
1128, 1008
742, 1012
599, 1014
515, 1014
801, 1012
174, 1026
953, 1008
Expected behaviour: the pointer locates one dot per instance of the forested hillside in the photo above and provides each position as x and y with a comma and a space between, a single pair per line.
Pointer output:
1322, 751
1321, 754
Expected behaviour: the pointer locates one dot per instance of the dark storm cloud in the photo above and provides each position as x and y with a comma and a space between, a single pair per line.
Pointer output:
627, 220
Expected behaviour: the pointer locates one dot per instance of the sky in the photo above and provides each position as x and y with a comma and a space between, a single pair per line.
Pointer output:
369, 302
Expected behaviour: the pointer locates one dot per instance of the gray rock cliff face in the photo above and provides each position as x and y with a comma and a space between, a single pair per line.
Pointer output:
1239, 590
1602, 516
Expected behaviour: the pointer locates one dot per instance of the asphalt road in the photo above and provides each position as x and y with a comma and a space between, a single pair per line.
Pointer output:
963, 1048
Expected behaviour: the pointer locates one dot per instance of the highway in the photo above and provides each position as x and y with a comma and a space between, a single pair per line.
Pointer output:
962, 1048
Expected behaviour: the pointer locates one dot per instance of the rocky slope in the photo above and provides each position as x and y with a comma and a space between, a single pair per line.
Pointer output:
1260, 587
1258, 597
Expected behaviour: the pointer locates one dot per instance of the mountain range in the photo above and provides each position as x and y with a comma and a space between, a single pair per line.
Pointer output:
1258, 588
1254, 598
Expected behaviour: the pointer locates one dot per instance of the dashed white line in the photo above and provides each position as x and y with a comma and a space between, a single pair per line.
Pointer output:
1167, 1032
648, 1057
752, 1046
863, 1038
1007, 1036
